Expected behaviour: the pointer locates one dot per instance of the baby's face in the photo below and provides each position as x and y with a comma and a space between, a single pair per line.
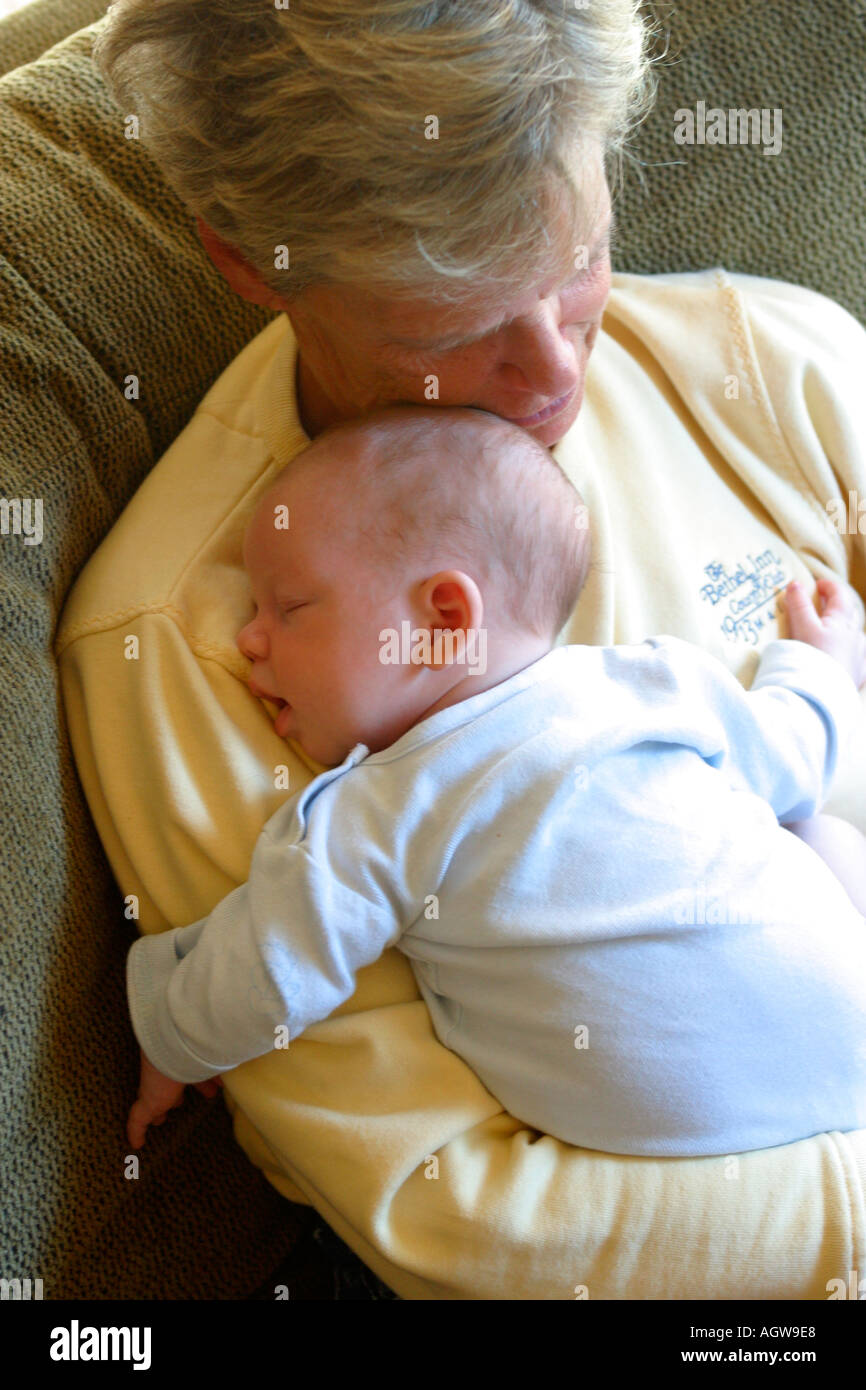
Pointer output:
314, 641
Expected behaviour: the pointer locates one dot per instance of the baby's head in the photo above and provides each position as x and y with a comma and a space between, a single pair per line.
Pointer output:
385, 531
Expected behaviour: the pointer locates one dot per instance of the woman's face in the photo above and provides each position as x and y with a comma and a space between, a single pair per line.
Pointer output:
516, 359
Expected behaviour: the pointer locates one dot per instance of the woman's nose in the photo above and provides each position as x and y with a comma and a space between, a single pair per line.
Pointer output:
537, 348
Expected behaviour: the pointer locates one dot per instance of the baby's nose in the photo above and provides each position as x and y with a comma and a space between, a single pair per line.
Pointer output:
252, 642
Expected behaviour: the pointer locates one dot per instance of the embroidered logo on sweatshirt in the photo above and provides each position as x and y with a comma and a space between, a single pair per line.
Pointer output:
746, 595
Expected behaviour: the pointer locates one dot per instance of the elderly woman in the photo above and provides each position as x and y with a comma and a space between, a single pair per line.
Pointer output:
422, 190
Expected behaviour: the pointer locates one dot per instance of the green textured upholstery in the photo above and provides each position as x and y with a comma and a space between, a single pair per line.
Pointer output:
102, 276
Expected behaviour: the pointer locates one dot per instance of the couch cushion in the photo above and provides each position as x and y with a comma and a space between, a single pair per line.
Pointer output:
101, 279
795, 216
26, 33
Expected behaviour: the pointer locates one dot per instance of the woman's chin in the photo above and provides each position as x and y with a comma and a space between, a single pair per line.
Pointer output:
282, 721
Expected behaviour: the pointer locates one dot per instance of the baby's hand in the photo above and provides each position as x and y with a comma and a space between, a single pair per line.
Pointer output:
157, 1094
838, 630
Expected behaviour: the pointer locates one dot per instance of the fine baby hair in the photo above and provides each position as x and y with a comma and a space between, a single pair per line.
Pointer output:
459, 486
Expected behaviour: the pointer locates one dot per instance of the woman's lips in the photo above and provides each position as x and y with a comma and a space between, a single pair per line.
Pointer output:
548, 412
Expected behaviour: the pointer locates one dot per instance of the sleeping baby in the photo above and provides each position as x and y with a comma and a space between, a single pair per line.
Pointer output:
581, 850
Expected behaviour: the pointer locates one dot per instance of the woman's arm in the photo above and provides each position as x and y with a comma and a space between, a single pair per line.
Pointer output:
386, 1132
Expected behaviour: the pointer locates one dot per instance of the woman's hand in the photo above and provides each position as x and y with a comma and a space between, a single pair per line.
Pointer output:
157, 1095
838, 630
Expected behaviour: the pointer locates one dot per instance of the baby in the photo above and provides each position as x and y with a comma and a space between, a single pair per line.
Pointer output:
579, 849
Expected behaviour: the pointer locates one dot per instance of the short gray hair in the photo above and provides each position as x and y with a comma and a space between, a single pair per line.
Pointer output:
307, 128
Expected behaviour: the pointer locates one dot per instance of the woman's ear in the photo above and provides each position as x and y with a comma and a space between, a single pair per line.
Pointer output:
241, 276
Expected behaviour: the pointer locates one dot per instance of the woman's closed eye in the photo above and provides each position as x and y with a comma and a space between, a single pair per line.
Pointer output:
575, 287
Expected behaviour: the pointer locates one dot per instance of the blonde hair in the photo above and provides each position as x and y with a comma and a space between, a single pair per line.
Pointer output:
307, 128
425, 488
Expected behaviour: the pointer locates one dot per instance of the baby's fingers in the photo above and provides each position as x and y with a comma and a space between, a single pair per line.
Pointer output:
143, 1114
803, 621
210, 1088
838, 600
136, 1125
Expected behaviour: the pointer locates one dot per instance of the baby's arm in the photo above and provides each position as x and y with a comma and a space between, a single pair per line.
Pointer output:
837, 632
782, 738
277, 954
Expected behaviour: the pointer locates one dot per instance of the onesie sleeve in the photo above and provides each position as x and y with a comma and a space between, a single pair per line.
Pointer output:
783, 738
277, 954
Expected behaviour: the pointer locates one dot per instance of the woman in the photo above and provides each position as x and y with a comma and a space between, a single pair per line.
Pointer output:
423, 190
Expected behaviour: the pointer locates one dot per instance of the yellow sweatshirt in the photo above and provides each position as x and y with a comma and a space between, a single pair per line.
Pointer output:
721, 451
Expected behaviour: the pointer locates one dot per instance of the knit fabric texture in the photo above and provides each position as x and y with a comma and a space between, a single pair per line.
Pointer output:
103, 278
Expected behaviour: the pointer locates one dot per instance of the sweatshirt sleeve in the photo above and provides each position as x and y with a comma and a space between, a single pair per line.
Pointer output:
812, 356
279, 952
783, 738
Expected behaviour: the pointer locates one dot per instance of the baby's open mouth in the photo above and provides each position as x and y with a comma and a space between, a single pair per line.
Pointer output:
281, 723
284, 709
